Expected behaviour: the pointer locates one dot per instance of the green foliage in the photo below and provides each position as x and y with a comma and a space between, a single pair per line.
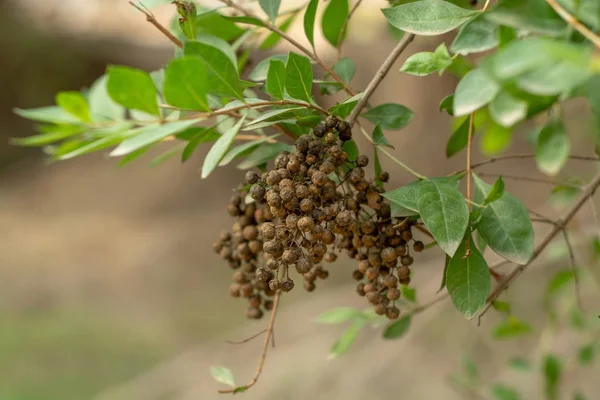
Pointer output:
468, 279
183, 88
379, 138
397, 329
390, 115
75, 104
510, 328
298, 77
309, 21
552, 369
223, 375
428, 17
459, 139
338, 315
505, 224
275, 84
270, 7
477, 35
474, 91
218, 150
344, 109
334, 18
132, 88
552, 148
426, 63
503, 392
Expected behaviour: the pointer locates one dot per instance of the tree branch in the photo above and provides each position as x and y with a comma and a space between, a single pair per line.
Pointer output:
520, 156
312, 55
571, 20
152, 19
572, 264
530, 179
379, 75
263, 356
587, 193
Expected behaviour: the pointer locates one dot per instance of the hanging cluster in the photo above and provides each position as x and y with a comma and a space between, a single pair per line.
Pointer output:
311, 205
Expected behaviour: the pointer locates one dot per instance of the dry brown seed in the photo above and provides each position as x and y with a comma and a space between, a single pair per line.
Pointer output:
320, 130
234, 290
319, 178
309, 286
273, 247
330, 139
390, 281
380, 309
362, 160
275, 284
217, 246
328, 237
406, 235
272, 265
303, 266
373, 297
267, 230
331, 122
357, 275
293, 166
393, 294
281, 160
247, 290
291, 221
302, 144
406, 260
363, 266
301, 191
360, 289
392, 312
251, 177
250, 232
306, 205
344, 218
403, 272
388, 254
418, 246
254, 313
305, 224
384, 177
257, 192
268, 305
255, 246
287, 285
405, 281
372, 273
330, 257
255, 300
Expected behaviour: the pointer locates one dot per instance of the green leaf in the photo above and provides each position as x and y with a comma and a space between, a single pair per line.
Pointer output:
218, 150
264, 153
552, 369
351, 148
379, 138
74, 103
165, 156
474, 91
535, 16
298, 77
274, 38
510, 328
344, 343
132, 88
51, 114
259, 73
495, 139
458, 140
390, 115
425, 63
243, 149
101, 105
275, 84
409, 293
377, 170
345, 68
309, 21
471, 370
447, 104
585, 354
444, 212
496, 192
397, 329
151, 134
344, 108
552, 148
186, 84
501, 306
468, 280
504, 392
221, 71
404, 196
274, 115
507, 110
339, 315
443, 282
505, 225
559, 281
477, 35
200, 135
427, 17
520, 364
270, 7
223, 375
334, 18
44, 139
244, 20
213, 23
579, 396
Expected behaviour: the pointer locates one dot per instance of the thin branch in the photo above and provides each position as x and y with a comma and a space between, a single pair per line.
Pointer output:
344, 27
530, 179
251, 105
152, 19
263, 356
388, 154
486, 5
312, 55
247, 339
571, 212
520, 156
595, 214
571, 20
379, 75
572, 264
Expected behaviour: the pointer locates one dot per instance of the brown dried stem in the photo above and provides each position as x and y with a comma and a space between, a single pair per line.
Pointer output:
263, 356
247, 339
152, 19
571, 20
312, 55
379, 75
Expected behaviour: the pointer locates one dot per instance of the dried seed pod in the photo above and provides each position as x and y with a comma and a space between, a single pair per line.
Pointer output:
305, 224
406, 260
257, 192
393, 294
251, 177
287, 285
418, 246
392, 312
362, 161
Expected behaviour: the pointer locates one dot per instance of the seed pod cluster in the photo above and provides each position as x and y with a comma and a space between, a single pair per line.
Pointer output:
313, 204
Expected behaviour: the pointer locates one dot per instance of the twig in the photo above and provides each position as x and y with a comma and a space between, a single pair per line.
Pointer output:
345, 26
519, 156
252, 105
586, 194
595, 214
530, 179
379, 75
469, 145
312, 55
486, 5
572, 263
388, 154
263, 356
152, 19
571, 20
247, 339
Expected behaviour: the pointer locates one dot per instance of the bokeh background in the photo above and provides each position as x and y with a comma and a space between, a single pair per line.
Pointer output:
109, 288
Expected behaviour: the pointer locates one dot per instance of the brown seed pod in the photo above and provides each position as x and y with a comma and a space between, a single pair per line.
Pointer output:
331, 122
392, 312
406, 235
273, 247
360, 289
305, 224
303, 265
257, 192
247, 290
362, 161
267, 230
254, 313
403, 272
275, 284
390, 281
373, 297
287, 285
306, 205
320, 130
406, 260
234, 290
291, 221
418, 246
393, 294
255, 300
388, 254
251, 177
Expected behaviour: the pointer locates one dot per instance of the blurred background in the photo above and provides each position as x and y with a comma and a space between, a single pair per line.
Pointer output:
109, 288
